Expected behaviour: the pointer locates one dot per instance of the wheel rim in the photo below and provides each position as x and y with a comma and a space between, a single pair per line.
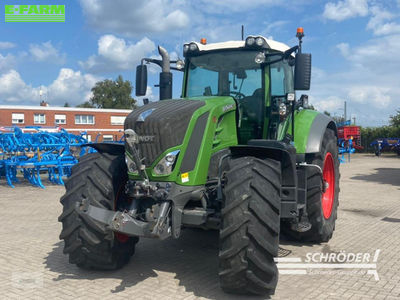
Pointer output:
328, 175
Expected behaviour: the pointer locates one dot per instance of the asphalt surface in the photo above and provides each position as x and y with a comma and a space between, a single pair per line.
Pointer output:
33, 266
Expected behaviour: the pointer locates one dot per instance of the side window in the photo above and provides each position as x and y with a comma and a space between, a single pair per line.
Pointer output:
202, 82
277, 80
281, 79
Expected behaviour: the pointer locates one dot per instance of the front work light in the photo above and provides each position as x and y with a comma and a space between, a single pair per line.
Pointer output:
256, 42
260, 41
180, 64
193, 47
260, 58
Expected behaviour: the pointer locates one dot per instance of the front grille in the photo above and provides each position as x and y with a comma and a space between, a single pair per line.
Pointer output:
168, 123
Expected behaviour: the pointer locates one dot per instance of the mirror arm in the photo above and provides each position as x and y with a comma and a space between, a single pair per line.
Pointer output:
152, 60
176, 69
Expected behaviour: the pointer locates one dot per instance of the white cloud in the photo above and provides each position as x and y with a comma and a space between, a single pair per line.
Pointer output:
13, 88
344, 49
212, 6
116, 54
7, 62
46, 52
378, 23
7, 45
375, 95
378, 55
329, 104
135, 17
345, 9
369, 83
70, 86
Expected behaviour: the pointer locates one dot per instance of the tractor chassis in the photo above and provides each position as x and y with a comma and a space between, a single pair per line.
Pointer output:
169, 197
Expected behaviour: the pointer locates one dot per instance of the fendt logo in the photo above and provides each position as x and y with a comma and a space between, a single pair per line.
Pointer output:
35, 13
146, 138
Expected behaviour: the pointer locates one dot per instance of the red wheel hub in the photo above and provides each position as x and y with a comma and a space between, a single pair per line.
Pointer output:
123, 238
328, 175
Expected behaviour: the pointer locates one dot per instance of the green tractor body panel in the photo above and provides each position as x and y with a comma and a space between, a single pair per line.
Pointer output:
303, 121
212, 128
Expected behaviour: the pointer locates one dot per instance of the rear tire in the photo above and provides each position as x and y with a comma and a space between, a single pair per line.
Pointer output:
100, 178
249, 238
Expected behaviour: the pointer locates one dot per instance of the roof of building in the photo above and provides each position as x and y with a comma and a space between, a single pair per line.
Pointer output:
60, 108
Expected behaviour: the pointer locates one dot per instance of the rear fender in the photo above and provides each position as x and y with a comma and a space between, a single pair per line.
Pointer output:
309, 130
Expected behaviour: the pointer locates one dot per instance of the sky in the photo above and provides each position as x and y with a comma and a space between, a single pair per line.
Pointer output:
354, 44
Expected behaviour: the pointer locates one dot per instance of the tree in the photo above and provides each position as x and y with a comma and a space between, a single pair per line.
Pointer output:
112, 94
86, 104
66, 104
395, 120
327, 113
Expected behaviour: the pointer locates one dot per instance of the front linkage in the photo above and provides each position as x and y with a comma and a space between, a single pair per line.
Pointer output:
149, 218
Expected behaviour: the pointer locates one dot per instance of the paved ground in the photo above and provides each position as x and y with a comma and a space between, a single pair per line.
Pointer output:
32, 265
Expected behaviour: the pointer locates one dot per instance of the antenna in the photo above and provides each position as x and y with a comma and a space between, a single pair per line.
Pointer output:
242, 32
40, 94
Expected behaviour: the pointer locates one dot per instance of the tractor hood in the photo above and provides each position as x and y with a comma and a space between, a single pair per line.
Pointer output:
161, 125
193, 128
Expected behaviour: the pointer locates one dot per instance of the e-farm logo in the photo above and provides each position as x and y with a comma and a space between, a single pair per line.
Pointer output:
35, 13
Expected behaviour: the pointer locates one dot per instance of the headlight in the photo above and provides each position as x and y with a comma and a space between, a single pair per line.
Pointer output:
166, 164
193, 47
250, 41
260, 41
256, 42
185, 48
131, 165
282, 109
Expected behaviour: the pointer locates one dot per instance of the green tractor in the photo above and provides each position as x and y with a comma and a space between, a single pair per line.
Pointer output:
237, 153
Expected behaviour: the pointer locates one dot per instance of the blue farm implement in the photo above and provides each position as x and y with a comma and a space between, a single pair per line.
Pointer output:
33, 151
386, 145
349, 139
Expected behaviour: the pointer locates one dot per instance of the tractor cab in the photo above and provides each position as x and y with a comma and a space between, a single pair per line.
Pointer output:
257, 73
259, 88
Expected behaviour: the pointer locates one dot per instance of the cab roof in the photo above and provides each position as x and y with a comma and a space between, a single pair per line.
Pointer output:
278, 46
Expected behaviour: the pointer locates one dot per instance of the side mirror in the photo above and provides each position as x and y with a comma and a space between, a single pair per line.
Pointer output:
302, 71
141, 80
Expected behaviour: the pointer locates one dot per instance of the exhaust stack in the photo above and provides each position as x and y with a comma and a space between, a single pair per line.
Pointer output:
165, 75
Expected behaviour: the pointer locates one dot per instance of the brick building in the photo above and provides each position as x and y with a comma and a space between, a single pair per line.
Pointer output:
107, 123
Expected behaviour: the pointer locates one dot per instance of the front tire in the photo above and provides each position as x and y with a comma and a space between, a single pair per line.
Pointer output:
249, 237
322, 201
100, 178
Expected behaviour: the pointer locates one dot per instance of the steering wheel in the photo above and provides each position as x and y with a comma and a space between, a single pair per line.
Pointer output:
237, 95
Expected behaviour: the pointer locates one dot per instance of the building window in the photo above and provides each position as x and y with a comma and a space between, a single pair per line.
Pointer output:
117, 120
88, 137
18, 118
108, 138
84, 119
39, 119
60, 119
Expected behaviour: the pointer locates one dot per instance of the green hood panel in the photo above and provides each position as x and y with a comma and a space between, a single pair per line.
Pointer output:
217, 131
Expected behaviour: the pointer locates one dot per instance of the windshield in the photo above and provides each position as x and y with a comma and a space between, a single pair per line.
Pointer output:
231, 73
